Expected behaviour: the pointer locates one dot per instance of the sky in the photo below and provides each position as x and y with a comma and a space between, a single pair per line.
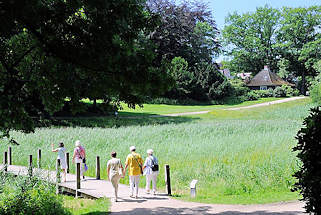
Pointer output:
221, 8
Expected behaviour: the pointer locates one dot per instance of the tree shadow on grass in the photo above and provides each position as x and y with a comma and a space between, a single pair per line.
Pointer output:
137, 119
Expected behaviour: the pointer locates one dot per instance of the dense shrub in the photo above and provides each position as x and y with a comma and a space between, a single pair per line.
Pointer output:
285, 91
315, 90
238, 87
252, 95
309, 175
25, 195
279, 92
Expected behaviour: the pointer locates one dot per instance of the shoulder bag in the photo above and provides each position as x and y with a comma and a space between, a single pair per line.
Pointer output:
154, 166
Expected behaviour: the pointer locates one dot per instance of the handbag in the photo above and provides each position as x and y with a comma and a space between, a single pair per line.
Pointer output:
86, 167
154, 166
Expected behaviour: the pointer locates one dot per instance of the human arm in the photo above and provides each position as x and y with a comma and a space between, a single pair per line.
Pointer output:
108, 169
145, 164
126, 163
52, 148
73, 157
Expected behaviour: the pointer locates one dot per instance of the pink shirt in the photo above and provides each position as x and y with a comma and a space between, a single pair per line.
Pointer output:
79, 152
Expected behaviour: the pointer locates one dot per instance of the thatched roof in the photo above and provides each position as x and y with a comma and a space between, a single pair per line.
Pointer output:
267, 78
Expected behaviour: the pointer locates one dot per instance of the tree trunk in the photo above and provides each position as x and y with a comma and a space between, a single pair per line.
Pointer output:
303, 87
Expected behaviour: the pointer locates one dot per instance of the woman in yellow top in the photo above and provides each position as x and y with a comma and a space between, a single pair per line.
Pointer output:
134, 162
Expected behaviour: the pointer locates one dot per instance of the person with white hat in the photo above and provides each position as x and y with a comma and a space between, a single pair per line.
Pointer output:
151, 171
79, 157
134, 162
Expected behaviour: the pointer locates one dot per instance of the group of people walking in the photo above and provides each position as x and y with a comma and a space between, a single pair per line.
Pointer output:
134, 163
79, 156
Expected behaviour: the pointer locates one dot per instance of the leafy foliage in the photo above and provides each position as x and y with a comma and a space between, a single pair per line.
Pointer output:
309, 175
250, 39
315, 88
26, 196
287, 39
186, 30
53, 50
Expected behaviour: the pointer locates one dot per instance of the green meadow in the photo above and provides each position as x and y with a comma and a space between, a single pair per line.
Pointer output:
239, 157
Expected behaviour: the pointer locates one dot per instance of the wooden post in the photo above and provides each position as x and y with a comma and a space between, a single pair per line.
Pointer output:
67, 160
5, 161
78, 175
58, 171
97, 168
168, 180
30, 166
57, 176
39, 158
9, 155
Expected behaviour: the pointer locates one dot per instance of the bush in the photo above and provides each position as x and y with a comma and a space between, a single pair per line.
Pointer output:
279, 92
252, 95
238, 88
315, 90
25, 195
309, 175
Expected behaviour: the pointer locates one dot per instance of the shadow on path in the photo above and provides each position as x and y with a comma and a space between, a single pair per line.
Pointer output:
203, 210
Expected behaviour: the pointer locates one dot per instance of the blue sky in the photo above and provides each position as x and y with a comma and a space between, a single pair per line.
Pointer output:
221, 8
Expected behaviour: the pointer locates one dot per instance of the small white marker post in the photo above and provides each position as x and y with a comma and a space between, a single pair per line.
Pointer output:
193, 188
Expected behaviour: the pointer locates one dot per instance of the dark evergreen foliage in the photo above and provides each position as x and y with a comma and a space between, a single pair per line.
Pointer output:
309, 152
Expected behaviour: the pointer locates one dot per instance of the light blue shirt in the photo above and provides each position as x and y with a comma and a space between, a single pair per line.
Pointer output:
148, 164
61, 153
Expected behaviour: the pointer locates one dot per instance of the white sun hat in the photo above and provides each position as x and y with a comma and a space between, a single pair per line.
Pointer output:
132, 148
150, 151
77, 143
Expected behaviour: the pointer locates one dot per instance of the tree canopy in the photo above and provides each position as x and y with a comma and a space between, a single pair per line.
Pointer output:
53, 50
268, 36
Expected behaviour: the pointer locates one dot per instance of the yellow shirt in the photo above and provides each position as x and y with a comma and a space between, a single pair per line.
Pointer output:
132, 161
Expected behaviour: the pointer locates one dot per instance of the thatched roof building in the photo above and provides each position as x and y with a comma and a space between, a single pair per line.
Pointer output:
266, 79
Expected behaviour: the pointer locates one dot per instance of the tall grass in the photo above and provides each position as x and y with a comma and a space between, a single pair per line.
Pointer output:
238, 157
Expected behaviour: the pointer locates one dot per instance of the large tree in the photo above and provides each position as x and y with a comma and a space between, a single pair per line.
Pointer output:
286, 39
186, 30
299, 38
52, 50
250, 39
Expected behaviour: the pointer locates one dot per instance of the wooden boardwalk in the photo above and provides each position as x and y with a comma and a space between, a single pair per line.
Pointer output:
156, 204
90, 187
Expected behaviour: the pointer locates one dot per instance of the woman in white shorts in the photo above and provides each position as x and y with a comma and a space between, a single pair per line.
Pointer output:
62, 157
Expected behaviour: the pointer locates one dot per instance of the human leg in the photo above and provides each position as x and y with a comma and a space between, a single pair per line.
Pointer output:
148, 180
137, 177
131, 185
115, 180
154, 181
64, 174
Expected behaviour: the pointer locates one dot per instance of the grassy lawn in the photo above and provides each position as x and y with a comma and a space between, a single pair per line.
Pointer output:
165, 109
86, 206
242, 156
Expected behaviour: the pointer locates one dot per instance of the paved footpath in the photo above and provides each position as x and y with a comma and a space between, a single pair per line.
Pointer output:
236, 108
159, 204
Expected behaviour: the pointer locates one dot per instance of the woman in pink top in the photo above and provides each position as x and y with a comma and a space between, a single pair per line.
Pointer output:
79, 157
